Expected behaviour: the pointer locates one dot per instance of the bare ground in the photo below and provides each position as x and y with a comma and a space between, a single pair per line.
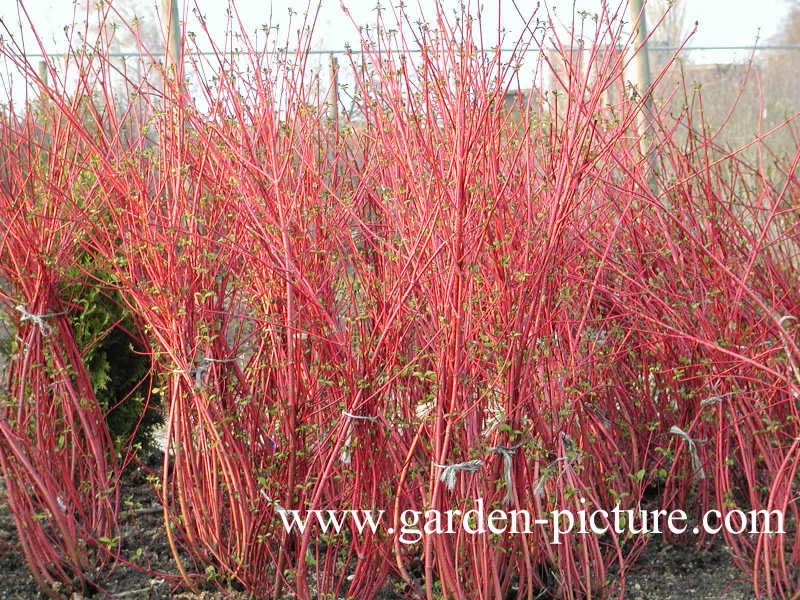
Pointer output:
663, 572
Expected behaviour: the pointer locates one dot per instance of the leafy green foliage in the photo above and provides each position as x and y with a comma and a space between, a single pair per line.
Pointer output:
118, 363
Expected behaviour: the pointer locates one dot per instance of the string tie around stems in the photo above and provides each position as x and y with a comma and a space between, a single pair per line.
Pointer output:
198, 373
370, 418
717, 398
507, 452
345, 452
547, 474
787, 345
697, 466
710, 401
448, 476
571, 454
39, 320
273, 502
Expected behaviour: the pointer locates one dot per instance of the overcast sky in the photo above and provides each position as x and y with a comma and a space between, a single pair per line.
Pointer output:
720, 22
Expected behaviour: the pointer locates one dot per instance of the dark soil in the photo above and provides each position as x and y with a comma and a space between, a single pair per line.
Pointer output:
141, 528
663, 572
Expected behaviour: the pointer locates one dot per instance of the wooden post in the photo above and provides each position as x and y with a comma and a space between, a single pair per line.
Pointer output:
641, 61
642, 81
43, 72
43, 83
169, 15
333, 92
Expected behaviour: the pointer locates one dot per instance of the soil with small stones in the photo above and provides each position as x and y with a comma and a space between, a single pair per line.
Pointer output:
663, 572
143, 540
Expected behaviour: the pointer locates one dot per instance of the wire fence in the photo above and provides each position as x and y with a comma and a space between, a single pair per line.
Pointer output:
347, 51
747, 88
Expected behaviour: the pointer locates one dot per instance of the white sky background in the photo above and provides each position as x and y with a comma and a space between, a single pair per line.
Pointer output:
720, 22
